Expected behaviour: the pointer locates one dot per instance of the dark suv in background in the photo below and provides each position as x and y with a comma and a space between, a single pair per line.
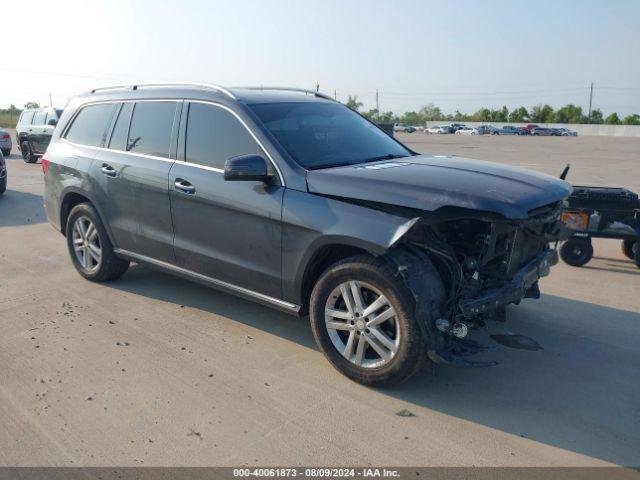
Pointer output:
34, 130
291, 199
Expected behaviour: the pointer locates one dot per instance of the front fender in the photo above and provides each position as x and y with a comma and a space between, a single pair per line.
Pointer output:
311, 222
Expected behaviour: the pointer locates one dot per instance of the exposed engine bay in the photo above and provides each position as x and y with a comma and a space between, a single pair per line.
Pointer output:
485, 264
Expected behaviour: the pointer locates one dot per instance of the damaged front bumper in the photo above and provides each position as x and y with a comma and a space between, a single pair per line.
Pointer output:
513, 291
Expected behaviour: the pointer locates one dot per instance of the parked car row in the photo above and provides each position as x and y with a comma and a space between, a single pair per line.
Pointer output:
3, 174
531, 129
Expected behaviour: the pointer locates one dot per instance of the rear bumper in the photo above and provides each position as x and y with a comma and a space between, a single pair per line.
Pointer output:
513, 291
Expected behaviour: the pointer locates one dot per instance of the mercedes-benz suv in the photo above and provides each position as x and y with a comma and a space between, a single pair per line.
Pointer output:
291, 199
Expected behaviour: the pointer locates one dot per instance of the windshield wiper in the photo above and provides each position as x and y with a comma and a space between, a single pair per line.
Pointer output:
331, 165
388, 156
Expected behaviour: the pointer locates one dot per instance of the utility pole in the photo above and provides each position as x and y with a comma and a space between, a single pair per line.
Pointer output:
335, 95
317, 86
50, 100
590, 100
377, 105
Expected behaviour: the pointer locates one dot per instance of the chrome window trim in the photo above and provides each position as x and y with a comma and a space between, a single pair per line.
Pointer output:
102, 149
213, 281
207, 102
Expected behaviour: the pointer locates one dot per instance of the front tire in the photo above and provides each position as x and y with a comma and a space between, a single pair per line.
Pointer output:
89, 246
27, 153
576, 251
363, 320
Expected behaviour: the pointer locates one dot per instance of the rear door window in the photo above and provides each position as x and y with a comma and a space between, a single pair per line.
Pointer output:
121, 129
90, 125
150, 130
214, 135
39, 117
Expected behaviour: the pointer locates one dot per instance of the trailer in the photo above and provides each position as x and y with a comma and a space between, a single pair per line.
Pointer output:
600, 212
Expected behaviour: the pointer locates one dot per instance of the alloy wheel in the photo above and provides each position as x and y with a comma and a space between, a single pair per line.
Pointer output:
86, 244
362, 325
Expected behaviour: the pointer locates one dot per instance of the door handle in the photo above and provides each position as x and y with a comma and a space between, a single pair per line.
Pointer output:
184, 186
108, 170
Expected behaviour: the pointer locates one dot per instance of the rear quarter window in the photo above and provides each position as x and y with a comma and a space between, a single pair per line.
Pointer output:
89, 127
26, 118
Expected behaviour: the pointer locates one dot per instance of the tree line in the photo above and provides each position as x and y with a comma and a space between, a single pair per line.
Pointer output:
537, 114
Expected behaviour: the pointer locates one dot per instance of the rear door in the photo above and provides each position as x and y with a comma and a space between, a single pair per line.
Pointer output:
36, 132
132, 174
229, 231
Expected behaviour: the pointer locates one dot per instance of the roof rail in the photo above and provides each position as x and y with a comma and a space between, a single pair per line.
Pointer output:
171, 84
299, 90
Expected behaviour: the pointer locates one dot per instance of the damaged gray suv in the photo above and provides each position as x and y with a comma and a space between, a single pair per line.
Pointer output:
293, 200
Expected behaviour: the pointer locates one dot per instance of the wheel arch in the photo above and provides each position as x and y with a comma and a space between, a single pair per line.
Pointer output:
320, 260
73, 197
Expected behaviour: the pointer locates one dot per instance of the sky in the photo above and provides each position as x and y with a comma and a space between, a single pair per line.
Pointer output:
458, 55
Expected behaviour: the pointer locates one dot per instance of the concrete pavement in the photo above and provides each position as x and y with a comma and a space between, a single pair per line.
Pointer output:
157, 371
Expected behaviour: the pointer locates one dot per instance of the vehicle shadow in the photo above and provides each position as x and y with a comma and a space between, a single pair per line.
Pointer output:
20, 208
580, 393
611, 267
168, 288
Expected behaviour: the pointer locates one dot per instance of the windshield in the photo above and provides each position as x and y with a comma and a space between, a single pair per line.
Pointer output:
322, 135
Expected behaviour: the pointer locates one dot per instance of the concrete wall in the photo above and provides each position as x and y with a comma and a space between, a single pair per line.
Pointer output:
607, 130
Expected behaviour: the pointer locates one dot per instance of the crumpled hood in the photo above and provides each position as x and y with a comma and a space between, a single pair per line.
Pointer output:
431, 182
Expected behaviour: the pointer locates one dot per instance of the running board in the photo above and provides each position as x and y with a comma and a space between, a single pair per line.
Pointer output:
210, 281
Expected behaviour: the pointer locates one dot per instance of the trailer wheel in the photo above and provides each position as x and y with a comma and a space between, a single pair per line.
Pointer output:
629, 248
576, 251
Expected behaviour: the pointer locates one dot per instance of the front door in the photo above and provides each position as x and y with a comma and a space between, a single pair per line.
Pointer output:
229, 231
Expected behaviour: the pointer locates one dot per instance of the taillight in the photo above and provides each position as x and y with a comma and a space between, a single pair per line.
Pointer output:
5, 136
45, 162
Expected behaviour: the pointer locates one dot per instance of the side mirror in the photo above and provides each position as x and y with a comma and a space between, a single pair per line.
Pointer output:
52, 122
246, 168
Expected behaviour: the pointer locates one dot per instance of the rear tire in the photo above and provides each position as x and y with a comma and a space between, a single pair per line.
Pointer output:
340, 334
629, 248
6, 152
89, 246
576, 251
27, 153
3, 185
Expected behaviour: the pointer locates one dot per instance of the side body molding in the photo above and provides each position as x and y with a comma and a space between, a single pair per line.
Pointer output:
313, 221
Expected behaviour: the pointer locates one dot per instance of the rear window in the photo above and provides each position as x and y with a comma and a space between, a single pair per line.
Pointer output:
150, 130
90, 125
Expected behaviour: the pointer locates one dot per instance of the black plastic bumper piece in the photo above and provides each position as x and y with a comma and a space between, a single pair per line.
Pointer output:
513, 291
